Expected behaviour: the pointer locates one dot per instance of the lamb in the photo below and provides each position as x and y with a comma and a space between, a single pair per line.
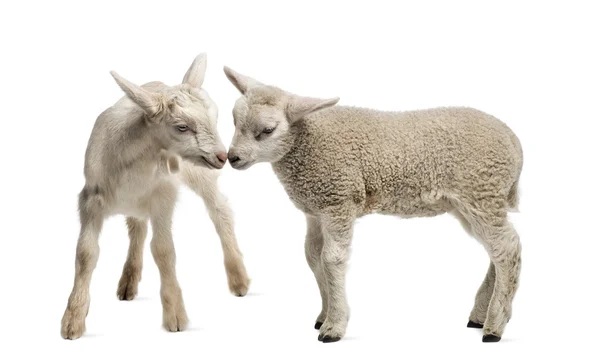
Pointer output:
140, 150
340, 163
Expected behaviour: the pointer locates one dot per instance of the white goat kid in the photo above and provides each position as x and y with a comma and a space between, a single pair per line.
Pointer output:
140, 150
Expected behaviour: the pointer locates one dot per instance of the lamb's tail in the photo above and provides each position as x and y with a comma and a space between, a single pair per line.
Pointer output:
513, 194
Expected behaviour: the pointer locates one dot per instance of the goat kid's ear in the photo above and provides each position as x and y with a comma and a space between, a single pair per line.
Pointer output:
241, 82
298, 107
195, 74
151, 103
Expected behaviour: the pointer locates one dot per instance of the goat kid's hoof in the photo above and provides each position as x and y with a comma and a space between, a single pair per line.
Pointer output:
72, 325
175, 322
491, 338
127, 289
318, 325
237, 278
238, 287
328, 339
473, 324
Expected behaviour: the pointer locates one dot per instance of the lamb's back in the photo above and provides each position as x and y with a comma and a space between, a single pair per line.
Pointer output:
398, 162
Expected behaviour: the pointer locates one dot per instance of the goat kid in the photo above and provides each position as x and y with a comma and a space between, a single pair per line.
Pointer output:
140, 150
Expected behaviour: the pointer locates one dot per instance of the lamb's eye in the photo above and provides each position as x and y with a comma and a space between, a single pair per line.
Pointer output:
183, 128
268, 130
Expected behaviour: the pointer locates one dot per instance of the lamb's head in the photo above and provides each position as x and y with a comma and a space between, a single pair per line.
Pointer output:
183, 118
264, 117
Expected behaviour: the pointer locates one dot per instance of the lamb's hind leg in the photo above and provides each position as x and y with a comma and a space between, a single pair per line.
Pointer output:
484, 294
163, 251
132, 270
505, 252
204, 183
502, 243
90, 210
313, 247
482, 299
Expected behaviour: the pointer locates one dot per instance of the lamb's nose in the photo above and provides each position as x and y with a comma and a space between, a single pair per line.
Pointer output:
222, 157
233, 159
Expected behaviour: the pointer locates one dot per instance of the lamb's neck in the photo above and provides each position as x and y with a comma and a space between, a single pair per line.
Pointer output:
283, 167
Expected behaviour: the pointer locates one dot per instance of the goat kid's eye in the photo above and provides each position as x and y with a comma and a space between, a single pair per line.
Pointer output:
182, 128
268, 130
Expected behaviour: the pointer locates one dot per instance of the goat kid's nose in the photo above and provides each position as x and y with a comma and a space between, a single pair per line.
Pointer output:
222, 156
233, 159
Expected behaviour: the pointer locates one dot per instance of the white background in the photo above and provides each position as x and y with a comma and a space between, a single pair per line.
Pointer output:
411, 283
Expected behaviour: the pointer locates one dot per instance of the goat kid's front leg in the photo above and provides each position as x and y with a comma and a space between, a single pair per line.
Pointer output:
222, 218
87, 252
163, 251
337, 236
132, 270
205, 185
313, 247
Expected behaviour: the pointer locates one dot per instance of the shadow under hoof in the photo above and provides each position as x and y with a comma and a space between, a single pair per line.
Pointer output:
491, 338
475, 325
318, 325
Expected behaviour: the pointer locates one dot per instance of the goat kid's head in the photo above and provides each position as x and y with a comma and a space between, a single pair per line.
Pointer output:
264, 117
183, 117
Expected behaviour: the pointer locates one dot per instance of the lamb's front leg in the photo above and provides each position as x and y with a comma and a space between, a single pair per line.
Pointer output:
163, 251
337, 235
312, 248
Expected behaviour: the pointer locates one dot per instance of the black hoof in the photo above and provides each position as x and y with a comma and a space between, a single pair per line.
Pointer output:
473, 324
328, 339
318, 325
490, 338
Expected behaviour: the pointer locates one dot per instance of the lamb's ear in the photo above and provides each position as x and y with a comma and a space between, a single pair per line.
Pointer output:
241, 82
195, 74
298, 107
150, 102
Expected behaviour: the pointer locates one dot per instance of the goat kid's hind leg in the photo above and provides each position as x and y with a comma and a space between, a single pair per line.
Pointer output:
337, 236
132, 270
205, 185
313, 247
163, 251
90, 210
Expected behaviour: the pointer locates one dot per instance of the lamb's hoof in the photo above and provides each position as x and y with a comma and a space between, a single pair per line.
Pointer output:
318, 325
473, 324
491, 338
328, 339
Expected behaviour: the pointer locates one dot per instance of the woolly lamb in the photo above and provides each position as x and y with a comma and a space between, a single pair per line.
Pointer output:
139, 151
342, 163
